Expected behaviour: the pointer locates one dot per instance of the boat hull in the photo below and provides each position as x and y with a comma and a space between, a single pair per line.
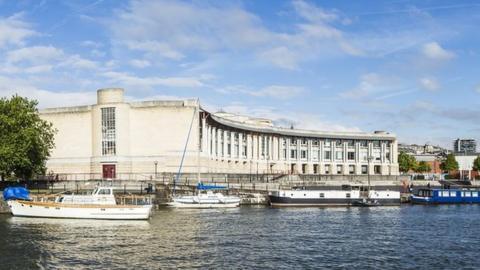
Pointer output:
58, 210
329, 197
446, 196
203, 205
285, 201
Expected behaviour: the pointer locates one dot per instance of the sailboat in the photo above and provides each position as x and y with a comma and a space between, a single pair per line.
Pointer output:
204, 197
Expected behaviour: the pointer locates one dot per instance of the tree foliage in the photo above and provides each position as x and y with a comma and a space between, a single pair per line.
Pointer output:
449, 164
476, 164
25, 139
423, 167
406, 162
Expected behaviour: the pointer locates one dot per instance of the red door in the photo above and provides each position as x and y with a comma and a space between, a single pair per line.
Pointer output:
109, 171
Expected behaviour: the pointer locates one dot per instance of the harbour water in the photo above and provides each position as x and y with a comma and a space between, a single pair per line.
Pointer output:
403, 237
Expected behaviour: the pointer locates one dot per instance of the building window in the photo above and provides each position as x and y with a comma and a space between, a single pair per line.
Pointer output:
304, 141
229, 149
315, 168
327, 168
351, 155
284, 153
377, 169
376, 154
339, 155
363, 143
339, 169
315, 143
293, 141
108, 132
304, 154
376, 143
338, 142
351, 169
315, 155
350, 143
328, 155
364, 169
293, 154
328, 142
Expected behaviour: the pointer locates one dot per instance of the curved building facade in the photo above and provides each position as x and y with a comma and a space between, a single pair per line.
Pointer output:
115, 139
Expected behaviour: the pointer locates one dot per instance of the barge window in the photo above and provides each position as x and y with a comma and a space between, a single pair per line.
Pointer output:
453, 194
445, 193
474, 194
322, 195
468, 194
348, 195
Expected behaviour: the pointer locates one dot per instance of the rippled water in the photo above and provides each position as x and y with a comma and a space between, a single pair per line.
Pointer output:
406, 237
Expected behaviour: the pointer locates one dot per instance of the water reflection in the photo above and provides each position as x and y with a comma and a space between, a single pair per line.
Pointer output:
249, 238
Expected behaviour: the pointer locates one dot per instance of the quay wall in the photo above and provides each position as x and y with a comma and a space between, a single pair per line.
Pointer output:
3, 206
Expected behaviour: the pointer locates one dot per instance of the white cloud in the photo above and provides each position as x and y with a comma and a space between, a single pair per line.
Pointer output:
176, 30
139, 63
271, 91
155, 47
369, 83
35, 54
430, 84
434, 51
281, 57
14, 31
148, 82
46, 98
91, 43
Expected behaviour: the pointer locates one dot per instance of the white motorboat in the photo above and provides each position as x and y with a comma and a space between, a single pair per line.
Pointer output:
100, 204
205, 198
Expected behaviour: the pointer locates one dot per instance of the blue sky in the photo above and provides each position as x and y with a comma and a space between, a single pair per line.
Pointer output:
408, 67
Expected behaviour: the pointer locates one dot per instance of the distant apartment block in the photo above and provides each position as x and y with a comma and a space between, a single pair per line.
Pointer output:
465, 146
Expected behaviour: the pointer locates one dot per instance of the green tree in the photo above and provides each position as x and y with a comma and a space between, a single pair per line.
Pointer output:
25, 139
423, 167
449, 164
406, 162
476, 164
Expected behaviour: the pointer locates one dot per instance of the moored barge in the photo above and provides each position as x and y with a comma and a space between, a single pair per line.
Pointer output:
446, 196
346, 196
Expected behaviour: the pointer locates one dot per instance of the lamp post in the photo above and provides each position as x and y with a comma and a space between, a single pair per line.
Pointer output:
156, 163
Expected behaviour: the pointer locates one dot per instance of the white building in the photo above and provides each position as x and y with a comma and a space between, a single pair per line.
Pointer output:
116, 139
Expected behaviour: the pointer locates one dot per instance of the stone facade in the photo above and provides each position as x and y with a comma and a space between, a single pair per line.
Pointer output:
115, 139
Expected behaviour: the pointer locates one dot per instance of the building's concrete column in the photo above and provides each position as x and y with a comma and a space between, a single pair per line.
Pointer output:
288, 149
394, 151
345, 152
209, 140
249, 147
240, 145
204, 136
309, 152
255, 147
214, 142
383, 150
357, 152
225, 140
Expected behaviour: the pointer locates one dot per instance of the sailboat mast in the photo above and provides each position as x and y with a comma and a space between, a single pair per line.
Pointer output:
184, 151
198, 141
